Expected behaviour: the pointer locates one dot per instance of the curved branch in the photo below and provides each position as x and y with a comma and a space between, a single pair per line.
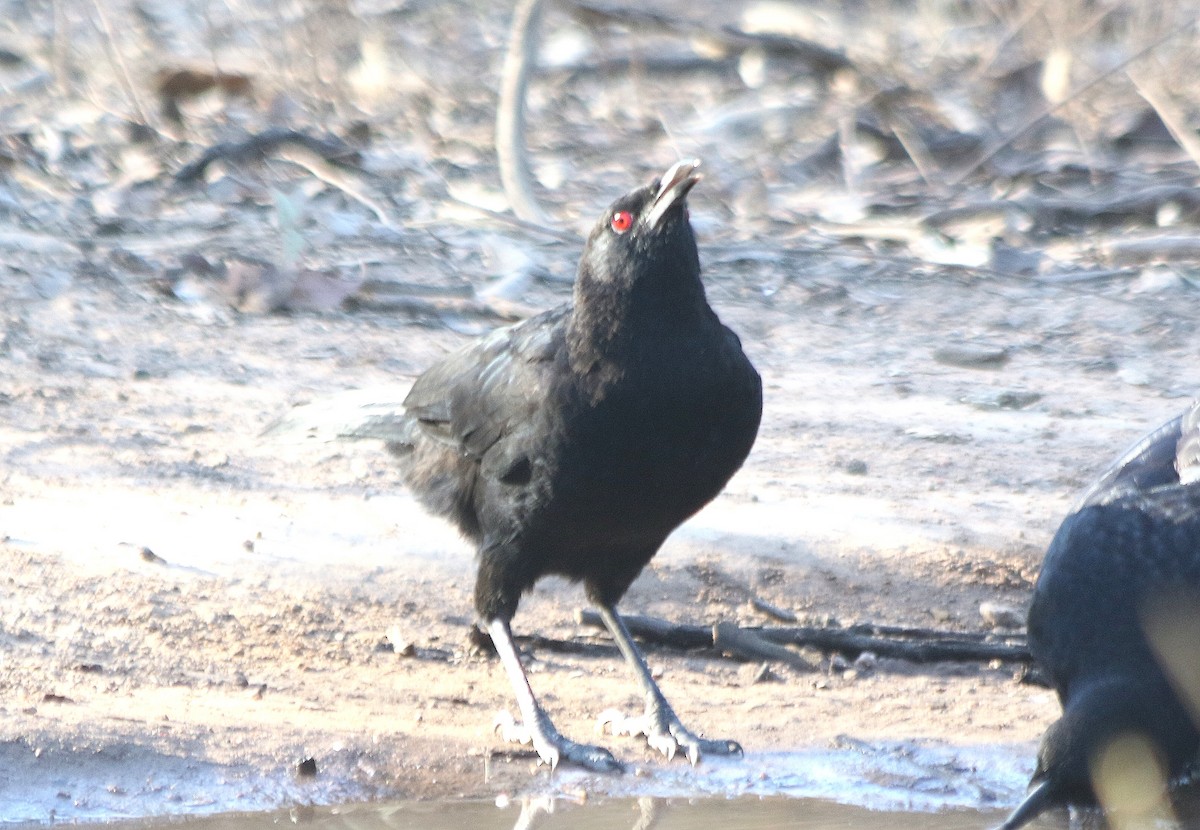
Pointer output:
510, 114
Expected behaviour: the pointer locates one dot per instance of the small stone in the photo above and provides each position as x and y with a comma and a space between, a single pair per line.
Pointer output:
1155, 280
752, 674
998, 615
971, 357
401, 645
866, 662
936, 436
1012, 399
856, 467
1134, 375
1017, 399
307, 768
150, 556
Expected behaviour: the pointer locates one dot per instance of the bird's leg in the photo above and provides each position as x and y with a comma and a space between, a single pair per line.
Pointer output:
659, 724
550, 745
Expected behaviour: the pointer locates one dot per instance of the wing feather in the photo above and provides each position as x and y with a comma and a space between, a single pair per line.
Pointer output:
483, 392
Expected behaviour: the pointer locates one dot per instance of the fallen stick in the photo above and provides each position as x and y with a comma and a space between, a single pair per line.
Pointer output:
535, 642
915, 645
746, 644
259, 146
771, 610
879, 630
437, 306
950, 648
652, 629
511, 151
1054, 106
820, 59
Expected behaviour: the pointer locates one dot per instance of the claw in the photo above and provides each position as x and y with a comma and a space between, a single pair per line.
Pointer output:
665, 734
666, 744
552, 748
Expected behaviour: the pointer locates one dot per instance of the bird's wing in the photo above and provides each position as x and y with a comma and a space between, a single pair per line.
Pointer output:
477, 395
1148, 463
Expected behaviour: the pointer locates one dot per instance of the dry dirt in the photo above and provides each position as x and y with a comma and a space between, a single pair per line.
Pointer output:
188, 609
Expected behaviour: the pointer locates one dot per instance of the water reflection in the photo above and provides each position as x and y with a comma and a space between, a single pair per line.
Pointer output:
547, 813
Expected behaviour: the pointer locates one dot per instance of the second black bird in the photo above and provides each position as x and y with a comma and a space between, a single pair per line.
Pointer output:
1114, 623
575, 442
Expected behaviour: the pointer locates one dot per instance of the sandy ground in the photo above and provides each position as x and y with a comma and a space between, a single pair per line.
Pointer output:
263, 629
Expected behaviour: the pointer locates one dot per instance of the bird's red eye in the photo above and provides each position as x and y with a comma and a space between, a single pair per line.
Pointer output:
622, 221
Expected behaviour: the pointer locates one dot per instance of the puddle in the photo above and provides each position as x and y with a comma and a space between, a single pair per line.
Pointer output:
874, 779
905, 776
744, 813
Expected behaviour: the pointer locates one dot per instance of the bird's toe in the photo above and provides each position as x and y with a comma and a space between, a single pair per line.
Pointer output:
552, 748
696, 747
658, 736
664, 742
665, 734
594, 758
667, 730
720, 747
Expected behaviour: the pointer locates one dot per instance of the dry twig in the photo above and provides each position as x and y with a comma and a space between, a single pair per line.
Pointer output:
259, 145
1074, 94
1169, 112
912, 644
118, 60
511, 151
747, 644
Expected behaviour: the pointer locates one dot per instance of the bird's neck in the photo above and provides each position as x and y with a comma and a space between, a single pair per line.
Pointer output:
611, 319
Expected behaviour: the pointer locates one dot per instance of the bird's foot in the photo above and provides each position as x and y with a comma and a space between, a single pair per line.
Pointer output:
665, 733
552, 748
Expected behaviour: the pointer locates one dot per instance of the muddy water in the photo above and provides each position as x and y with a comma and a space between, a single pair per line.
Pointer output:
855, 786
875, 779
617, 814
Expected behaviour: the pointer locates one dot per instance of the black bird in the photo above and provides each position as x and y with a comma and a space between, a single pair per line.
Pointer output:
1119, 588
574, 442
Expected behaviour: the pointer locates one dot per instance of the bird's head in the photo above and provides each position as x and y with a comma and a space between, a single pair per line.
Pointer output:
1117, 743
643, 243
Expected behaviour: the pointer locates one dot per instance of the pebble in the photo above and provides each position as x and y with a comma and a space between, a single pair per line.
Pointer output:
998, 615
972, 357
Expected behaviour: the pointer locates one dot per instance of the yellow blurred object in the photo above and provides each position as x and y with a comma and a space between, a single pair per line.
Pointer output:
1130, 781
